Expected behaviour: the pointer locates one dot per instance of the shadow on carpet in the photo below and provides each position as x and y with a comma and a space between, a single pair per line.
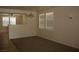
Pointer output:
38, 44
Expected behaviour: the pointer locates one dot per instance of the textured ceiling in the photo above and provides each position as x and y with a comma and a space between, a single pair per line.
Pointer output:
33, 8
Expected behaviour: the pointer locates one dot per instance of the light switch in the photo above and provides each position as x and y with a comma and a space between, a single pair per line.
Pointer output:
70, 17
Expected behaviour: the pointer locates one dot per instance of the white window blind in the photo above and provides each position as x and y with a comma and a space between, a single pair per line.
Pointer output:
13, 20
8, 20
42, 21
49, 20
5, 21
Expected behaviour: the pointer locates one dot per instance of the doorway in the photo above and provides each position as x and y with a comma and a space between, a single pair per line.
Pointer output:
4, 32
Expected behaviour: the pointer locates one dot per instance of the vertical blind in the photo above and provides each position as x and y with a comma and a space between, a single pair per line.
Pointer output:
46, 20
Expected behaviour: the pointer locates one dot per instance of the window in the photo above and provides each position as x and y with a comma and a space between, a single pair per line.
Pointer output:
46, 21
49, 20
5, 21
41, 21
13, 20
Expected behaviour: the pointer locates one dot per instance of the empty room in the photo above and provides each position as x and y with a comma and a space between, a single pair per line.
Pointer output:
39, 28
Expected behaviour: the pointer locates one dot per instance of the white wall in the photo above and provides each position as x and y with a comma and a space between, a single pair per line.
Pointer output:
66, 31
29, 28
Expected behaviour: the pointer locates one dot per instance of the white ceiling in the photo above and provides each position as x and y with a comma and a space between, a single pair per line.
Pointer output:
32, 8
